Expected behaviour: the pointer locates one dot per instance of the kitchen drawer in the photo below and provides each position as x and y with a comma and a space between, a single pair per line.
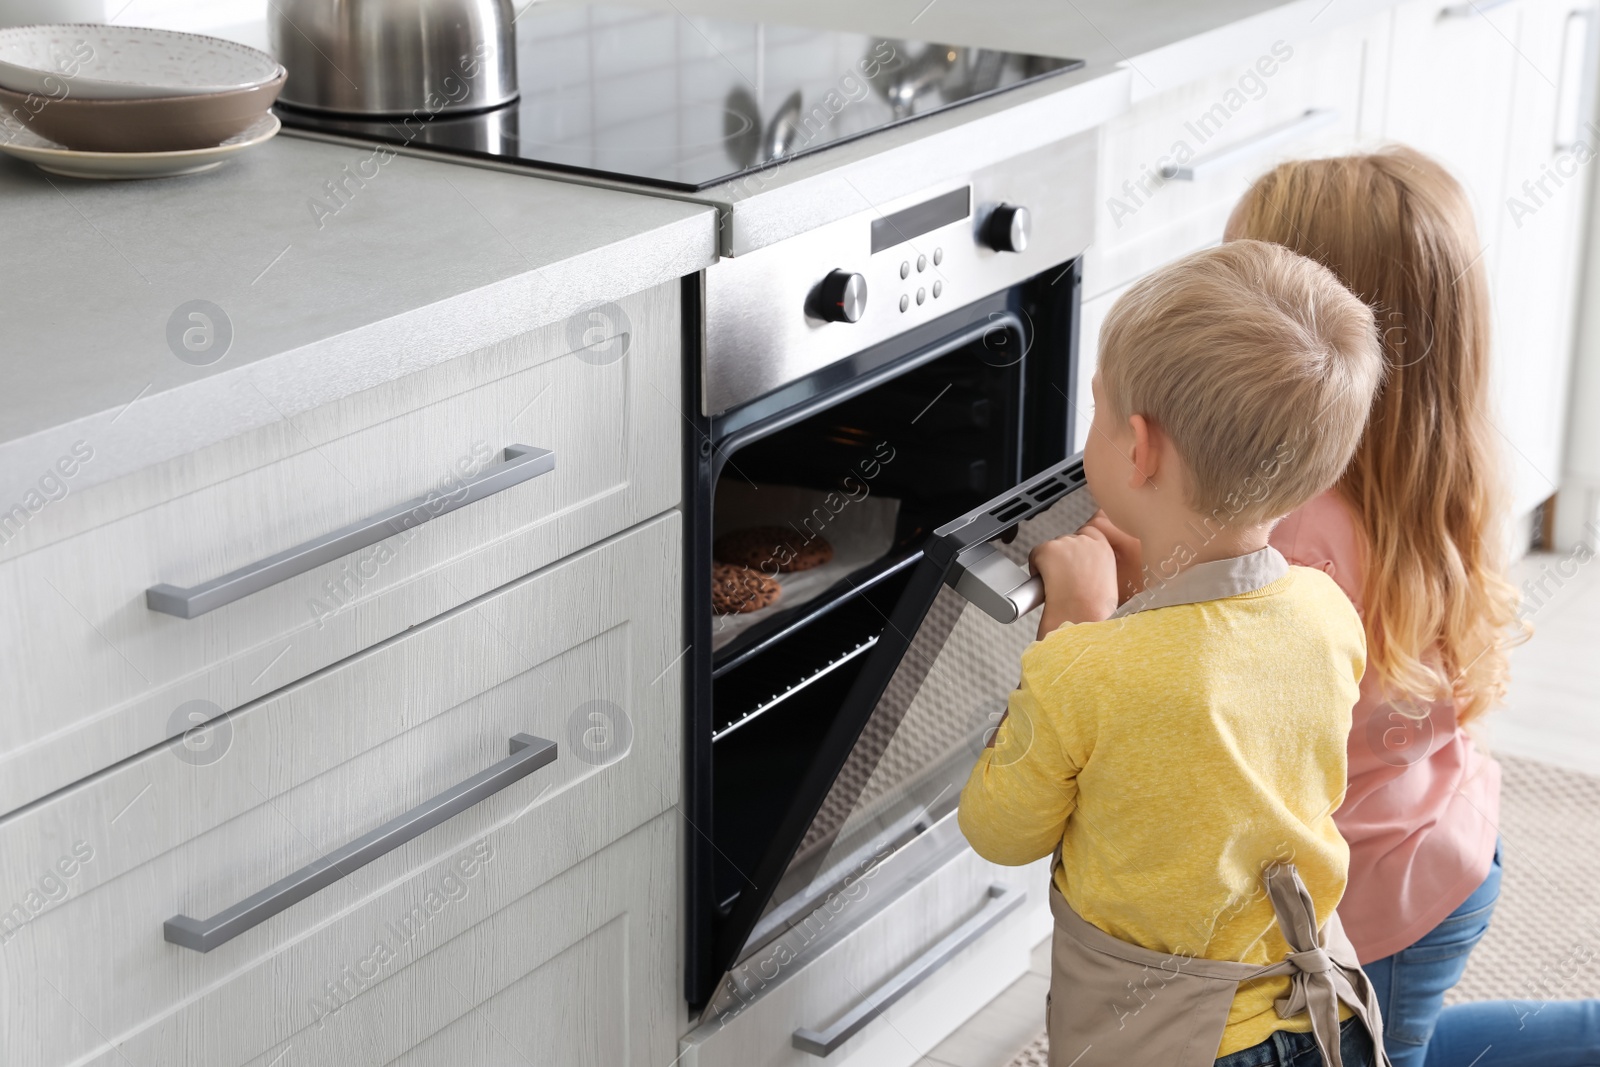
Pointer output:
96, 676
581, 653
582, 971
1298, 98
972, 920
611, 998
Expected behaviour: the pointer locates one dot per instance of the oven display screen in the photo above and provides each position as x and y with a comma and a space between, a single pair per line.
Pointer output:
914, 221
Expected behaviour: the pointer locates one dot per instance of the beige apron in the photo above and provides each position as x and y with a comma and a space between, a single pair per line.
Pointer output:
1113, 1003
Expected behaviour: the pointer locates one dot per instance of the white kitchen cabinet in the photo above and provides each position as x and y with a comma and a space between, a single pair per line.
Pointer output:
579, 653
96, 676
580, 972
1536, 274
1091, 317
1496, 93
1450, 95
1313, 95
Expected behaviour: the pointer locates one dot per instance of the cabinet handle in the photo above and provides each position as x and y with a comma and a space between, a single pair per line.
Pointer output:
522, 463
1002, 901
1467, 10
1314, 119
528, 754
1569, 85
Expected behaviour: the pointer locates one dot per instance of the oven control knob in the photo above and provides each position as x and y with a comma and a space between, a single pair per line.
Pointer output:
1007, 228
842, 297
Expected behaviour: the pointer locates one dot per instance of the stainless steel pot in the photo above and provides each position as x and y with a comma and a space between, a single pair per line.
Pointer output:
396, 57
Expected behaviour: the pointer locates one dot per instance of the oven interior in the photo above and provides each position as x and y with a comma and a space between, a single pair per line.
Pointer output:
934, 441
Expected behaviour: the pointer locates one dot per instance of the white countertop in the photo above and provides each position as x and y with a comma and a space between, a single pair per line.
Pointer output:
426, 262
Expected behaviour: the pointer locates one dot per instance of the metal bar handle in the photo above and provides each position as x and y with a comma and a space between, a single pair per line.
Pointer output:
1294, 129
1002, 901
1470, 8
1000, 588
528, 754
1570, 97
522, 463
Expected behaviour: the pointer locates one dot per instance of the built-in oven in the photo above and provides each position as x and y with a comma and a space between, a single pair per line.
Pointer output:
883, 502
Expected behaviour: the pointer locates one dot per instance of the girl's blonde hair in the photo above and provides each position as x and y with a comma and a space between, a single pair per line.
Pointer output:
1425, 482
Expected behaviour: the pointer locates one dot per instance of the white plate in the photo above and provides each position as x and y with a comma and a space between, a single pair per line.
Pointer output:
98, 62
49, 156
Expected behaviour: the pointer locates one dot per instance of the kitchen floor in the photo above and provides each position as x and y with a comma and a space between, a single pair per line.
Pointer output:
1551, 714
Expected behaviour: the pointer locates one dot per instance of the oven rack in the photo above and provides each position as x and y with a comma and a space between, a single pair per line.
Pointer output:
778, 698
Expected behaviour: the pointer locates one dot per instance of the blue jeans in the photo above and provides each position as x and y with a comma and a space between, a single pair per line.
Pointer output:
1418, 1031
1285, 1049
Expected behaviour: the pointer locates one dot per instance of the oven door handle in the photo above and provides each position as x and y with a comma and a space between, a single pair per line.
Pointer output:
1004, 591
1002, 901
979, 571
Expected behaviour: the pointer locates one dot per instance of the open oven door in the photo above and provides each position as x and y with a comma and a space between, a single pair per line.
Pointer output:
930, 686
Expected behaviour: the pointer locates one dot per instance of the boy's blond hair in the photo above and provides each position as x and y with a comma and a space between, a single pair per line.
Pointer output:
1257, 363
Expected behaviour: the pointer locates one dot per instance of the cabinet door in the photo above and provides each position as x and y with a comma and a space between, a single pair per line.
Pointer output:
1452, 78
1536, 272
1495, 92
580, 653
95, 674
1173, 166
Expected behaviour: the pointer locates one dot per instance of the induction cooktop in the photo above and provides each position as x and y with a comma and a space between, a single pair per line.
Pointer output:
683, 102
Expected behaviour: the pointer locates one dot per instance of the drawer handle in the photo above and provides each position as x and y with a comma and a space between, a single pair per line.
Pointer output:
1314, 119
522, 463
528, 754
1003, 900
1467, 10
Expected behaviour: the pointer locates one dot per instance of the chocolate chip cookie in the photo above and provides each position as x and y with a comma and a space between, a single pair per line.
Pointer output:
739, 590
764, 547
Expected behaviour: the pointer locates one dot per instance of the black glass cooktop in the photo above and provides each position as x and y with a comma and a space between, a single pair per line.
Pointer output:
686, 102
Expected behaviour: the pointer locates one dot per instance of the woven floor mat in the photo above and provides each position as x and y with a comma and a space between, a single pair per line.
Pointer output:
1544, 941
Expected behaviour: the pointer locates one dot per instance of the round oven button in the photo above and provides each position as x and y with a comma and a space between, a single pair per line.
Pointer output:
842, 297
922, 264
922, 294
1007, 228
938, 287
938, 258
905, 301
905, 269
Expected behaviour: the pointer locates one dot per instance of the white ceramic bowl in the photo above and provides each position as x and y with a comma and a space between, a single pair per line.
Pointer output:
91, 61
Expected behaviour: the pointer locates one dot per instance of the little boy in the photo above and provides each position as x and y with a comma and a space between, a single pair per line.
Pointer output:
1183, 754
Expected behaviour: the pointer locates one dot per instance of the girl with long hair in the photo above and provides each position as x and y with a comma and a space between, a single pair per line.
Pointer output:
1413, 535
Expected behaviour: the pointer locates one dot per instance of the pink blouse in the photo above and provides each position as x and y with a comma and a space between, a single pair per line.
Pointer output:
1423, 804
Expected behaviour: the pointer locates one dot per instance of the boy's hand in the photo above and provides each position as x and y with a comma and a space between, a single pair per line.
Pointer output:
1080, 578
1130, 556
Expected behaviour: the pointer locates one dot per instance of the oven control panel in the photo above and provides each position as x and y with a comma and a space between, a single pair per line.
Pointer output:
782, 312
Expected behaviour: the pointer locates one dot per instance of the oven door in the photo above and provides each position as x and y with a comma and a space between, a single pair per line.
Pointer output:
931, 684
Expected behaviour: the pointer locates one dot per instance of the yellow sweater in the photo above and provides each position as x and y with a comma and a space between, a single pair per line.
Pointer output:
1173, 754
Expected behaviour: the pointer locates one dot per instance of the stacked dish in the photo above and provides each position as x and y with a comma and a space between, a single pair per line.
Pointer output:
98, 101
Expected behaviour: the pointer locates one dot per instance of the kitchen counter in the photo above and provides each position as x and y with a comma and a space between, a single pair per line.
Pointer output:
415, 263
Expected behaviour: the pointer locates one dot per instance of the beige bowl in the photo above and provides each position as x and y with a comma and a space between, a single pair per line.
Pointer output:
157, 124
